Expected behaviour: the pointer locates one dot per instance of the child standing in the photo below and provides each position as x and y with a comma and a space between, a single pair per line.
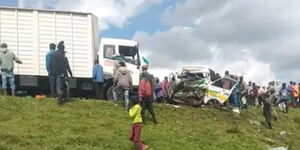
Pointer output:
135, 133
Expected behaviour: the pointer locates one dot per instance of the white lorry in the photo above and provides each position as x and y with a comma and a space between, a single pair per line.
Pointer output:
28, 33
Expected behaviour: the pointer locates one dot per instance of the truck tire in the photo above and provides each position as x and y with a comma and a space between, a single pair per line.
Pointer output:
109, 93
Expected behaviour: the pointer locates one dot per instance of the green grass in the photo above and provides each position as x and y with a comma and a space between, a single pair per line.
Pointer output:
98, 125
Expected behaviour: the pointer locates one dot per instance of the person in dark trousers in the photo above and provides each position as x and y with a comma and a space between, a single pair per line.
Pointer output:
158, 91
284, 95
269, 112
67, 80
59, 68
52, 81
146, 96
98, 79
135, 115
7, 59
244, 89
254, 100
299, 95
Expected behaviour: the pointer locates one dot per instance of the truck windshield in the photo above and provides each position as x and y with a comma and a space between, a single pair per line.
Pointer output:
129, 53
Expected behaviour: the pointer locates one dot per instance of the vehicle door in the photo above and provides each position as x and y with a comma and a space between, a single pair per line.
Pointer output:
217, 92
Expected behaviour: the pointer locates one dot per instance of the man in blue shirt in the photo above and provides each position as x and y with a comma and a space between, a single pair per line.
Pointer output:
98, 79
284, 95
48, 67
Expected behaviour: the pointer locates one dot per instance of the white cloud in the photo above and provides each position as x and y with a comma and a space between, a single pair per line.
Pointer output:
110, 12
257, 38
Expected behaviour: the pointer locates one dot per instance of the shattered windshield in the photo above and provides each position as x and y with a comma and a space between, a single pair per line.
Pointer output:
129, 53
192, 76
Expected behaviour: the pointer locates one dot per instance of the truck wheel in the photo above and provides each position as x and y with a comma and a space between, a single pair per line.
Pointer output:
109, 93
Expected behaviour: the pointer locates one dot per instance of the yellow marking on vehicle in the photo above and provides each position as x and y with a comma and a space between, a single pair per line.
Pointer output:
219, 96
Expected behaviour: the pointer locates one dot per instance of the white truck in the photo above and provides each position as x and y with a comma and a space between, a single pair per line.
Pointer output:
28, 33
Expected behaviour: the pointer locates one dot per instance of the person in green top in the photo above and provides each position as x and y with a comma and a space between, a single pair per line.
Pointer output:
135, 115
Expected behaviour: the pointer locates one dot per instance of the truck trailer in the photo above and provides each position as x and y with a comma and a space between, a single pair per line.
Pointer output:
28, 33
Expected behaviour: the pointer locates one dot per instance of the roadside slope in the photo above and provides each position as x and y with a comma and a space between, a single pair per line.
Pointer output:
32, 124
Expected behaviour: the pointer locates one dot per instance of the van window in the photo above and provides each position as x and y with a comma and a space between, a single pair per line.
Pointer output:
109, 51
219, 83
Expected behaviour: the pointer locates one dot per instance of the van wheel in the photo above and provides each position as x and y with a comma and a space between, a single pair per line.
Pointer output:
214, 103
109, 93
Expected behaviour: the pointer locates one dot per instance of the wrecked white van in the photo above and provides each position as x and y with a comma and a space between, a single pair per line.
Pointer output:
193, 86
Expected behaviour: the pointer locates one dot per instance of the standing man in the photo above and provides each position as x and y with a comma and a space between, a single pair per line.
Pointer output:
284, 95
149, 77
226, 81
244, 91
117, 59
254, 94
59, 68
98, 79
50, 75
295, 94
165, 87
146, 96
123, 83
67, 73
249, 93
269, 112
7, 59
299, 95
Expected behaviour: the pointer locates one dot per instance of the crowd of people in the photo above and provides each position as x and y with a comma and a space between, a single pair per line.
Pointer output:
276, 94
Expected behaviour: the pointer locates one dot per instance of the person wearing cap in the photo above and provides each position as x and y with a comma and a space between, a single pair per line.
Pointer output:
50, 75
145, 93
147, 86
7, 59
59, 68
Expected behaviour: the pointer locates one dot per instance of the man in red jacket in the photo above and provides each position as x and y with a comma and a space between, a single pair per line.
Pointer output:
146, 97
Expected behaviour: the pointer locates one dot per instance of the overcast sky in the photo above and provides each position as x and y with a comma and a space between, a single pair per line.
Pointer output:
256, 38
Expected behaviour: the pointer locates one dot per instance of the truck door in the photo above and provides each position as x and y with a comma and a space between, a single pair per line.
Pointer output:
106, 60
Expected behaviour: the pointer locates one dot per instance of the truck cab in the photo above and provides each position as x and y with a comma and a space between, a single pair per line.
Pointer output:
128, 50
